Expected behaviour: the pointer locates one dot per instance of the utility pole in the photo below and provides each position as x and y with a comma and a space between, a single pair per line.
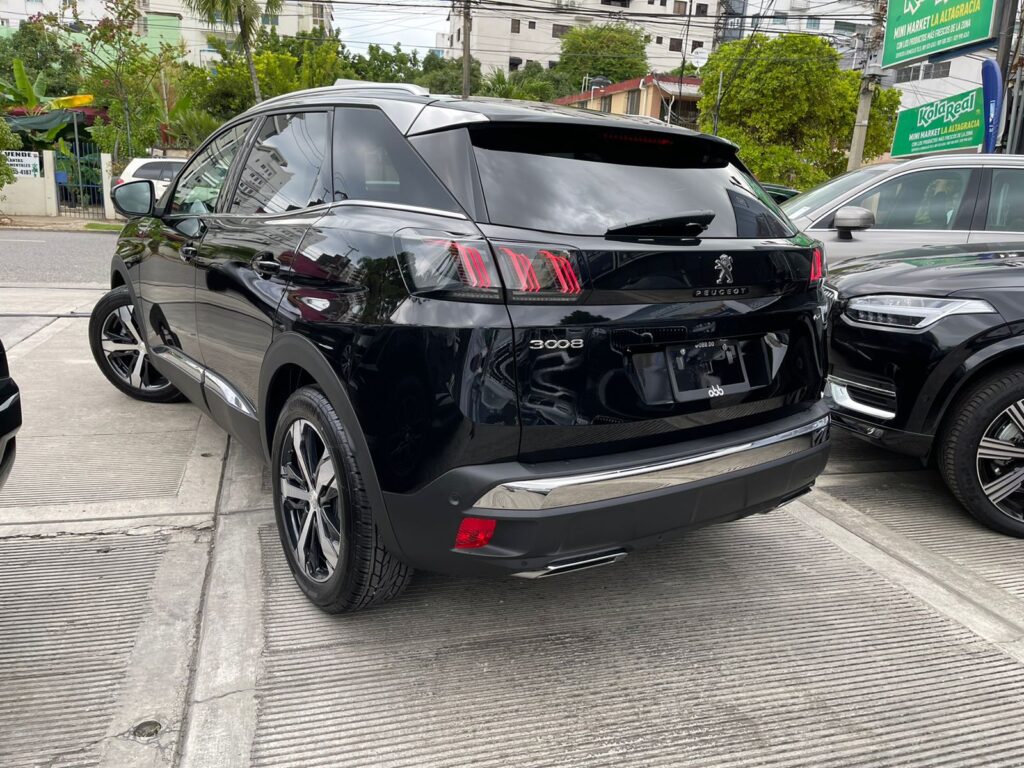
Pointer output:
1008, 17
868, 82
466, 61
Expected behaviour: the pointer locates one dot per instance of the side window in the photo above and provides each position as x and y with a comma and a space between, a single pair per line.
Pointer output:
148, 171
374, 161
285, 168
922, 200
200, 182
1006, 201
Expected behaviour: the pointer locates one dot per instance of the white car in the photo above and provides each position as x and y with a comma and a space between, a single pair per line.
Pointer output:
159, 170
937, 200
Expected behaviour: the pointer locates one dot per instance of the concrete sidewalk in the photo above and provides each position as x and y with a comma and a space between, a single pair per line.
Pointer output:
54, 223
147, 618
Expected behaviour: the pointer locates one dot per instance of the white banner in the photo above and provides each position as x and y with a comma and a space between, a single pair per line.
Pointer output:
23, 163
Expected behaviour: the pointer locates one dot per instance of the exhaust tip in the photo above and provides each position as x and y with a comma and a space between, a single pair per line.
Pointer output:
576, 564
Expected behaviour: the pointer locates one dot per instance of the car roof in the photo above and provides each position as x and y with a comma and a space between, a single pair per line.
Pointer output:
459, 111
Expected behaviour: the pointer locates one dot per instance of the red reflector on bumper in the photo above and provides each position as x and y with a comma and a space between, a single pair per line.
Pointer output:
475, 532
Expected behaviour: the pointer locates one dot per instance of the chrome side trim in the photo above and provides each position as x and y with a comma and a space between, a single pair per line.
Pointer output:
850, 383
228, 394
206, 378
572, 565
400, 207
840, 394
181, 361
552, 492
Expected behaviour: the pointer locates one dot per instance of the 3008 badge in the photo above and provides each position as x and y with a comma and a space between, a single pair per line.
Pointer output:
556, 343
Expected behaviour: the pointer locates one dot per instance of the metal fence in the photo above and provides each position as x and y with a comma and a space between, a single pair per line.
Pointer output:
78, 174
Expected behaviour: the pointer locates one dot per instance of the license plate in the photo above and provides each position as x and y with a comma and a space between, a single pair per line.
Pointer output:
707, 370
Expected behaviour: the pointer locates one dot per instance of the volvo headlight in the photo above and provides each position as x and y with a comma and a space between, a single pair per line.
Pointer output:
911, 312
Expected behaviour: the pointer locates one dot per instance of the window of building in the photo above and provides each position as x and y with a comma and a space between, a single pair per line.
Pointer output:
702, 9
633, 103
552, 64
695, 45
269, 19
515, 26
606, 103
675, 44
662, 3
619, 3
531, 24
812, 22
142, 26
679, 7
658, 40
558, 30
514, 62
935, 71
780, 18
845, 28
906, 74
5, 22
319, 15
284, 170
458, 35
200, 182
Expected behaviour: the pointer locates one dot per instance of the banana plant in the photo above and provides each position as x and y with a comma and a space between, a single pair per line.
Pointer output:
31, 96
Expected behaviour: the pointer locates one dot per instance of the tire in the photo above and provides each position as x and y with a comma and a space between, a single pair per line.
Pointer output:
341, 527
119, 349
987, 477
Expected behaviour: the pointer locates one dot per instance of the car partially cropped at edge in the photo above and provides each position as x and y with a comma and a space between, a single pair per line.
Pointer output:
937, 200
927, 359
475, 336
10, 417
160, 170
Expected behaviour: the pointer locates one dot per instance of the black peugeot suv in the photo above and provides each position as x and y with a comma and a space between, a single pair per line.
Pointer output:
475, 336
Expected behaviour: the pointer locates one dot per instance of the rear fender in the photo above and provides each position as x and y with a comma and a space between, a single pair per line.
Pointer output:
293, 349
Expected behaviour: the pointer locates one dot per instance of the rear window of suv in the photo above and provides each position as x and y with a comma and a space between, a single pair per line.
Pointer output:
584, 180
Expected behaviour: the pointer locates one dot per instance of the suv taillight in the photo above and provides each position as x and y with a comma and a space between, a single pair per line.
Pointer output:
817, 266
448, 268
540, 273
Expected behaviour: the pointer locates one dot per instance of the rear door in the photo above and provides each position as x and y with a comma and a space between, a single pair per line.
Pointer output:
1000, 214
627, 337
247, 255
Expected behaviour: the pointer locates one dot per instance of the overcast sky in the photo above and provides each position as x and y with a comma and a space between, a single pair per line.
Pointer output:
412, 27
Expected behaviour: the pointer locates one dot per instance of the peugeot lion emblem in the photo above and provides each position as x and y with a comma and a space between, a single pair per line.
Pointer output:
724, 266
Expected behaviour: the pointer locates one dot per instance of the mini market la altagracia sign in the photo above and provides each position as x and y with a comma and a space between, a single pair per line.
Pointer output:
953, 123
917, 29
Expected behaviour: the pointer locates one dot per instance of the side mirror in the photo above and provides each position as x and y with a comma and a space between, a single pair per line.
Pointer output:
136, 198
850, 218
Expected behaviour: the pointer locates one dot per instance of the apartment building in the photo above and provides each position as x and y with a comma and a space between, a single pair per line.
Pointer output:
664, 97
508, 37
170, 21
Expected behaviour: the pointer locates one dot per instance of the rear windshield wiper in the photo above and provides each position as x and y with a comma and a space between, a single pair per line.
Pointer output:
686, 224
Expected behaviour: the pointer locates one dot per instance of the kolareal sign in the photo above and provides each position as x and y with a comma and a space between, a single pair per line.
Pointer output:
954, 123
917, 29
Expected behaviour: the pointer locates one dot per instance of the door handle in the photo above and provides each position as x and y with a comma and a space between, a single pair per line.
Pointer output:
265, 265
188, 252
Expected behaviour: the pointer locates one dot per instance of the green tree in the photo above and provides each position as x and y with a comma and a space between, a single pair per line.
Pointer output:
616, 51
790, 108
8, 140
246, 18
382, 66
528, 83
43, 52
441, 75
121, 72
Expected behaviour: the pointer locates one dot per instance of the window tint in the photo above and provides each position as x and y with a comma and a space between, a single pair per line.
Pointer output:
284, 169
373, 161
201, 181
148, 171
922, 200
1006, 201
579, 180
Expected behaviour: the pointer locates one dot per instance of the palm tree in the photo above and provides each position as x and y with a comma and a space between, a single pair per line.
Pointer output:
246, 15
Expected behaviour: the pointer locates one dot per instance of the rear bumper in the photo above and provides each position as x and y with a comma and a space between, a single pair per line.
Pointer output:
558, 512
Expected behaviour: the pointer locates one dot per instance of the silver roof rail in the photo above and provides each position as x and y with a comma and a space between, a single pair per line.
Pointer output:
359, 85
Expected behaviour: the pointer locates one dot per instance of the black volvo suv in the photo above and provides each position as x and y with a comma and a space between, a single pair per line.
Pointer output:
475, 336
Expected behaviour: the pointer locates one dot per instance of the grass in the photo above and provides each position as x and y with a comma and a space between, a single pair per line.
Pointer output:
101, 227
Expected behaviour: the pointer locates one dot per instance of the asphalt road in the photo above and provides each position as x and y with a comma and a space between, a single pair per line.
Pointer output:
42, 257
